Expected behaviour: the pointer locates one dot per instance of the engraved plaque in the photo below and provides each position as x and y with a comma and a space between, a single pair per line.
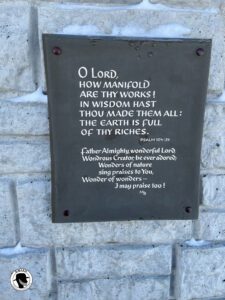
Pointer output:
126, 118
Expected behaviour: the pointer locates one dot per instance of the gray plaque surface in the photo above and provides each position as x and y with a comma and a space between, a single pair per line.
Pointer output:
126, 118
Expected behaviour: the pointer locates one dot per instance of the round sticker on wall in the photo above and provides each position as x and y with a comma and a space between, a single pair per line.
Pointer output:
21, 279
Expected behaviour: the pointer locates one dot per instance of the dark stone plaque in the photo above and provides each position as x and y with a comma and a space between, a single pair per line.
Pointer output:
126, 118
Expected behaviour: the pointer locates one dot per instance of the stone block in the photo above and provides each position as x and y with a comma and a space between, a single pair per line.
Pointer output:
214, 120
213, 150
200, 272
214, 191
23, 118
15, 53
37, 262
213, 144
18, 155
211, 225
193, 4
141, 20
8, 211
37, 228
118, 261
120, 289
92, 2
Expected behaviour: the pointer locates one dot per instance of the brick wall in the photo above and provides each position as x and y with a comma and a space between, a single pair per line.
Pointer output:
149, 260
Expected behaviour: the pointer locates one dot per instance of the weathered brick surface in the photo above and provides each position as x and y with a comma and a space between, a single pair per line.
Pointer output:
197, 24
7, 214
200, 272
118, 261
15, 52
21, 155
211, 225
214, 191
37, 263
120, 289
37, 229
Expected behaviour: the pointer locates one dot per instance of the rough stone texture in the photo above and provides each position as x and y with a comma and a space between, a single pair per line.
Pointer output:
20, 156
214, 191
213, 145
120, 289
37, 263
23, 118
214, 120
211, 225
213, 150
195, 4
15, 58
200, 272
7, 215
37, 229
202, 24
10, 94
113, 2
118, 261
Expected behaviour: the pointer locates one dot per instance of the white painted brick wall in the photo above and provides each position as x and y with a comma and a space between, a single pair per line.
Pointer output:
108, 260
